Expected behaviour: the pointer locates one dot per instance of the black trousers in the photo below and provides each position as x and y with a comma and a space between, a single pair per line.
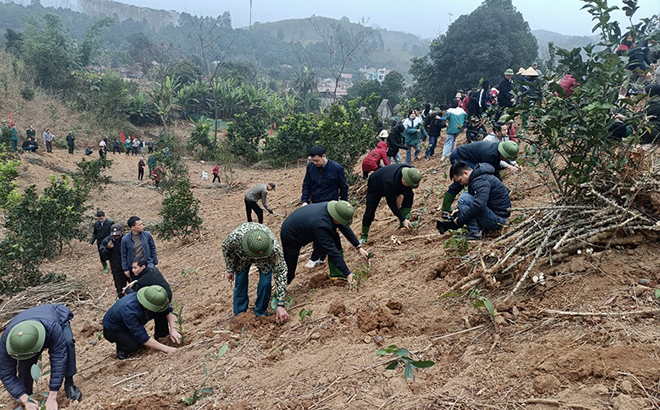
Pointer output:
120, 282
127, 343
372, 204
215, 176
24, 366
253, 206
115, 150
140, 174
291, 252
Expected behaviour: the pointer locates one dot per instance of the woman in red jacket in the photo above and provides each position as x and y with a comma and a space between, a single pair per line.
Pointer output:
372, 161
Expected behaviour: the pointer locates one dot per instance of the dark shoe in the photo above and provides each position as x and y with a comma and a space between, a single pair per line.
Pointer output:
121, 355
474, 236
444, 226
72, 393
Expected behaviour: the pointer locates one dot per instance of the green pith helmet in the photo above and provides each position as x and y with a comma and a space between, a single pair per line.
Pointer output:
505, 118
257, 243
508, 149
26, 340
508, 72
341, 211
153, 298
412, 176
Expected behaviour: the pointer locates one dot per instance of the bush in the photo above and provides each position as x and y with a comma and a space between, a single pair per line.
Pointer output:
244, 135
173, 166
293, 140
179, 214
344, 136
91, 173
27, 93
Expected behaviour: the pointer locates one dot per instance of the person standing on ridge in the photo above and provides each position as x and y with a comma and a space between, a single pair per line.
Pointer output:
324, 181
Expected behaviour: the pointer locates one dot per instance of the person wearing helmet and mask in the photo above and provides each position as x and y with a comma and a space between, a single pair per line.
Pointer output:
27, 336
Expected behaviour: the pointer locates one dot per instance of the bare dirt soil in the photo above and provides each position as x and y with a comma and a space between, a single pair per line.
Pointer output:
532, 359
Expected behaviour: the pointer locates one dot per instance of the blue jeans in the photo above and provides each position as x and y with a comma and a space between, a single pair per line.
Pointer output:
486, 220
450, 145
395, 159
430, 150
417, 150
241, 292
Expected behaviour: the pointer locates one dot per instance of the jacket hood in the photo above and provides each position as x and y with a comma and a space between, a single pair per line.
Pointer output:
482, 169
398, 128
382, 145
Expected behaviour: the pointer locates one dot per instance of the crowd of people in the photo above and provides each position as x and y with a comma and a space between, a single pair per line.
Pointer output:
143, 293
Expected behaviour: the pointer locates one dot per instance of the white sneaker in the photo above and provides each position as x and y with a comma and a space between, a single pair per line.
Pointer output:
312, 264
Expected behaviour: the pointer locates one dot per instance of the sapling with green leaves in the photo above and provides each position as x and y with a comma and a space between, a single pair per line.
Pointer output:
202, 390
177, 311
361, 275
457, 244
304, 314
401, 356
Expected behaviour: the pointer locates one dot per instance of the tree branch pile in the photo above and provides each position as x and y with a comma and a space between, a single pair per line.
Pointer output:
54, 292
607, 215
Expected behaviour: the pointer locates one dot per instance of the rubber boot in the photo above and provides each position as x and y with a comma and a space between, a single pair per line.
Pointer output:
335, 273
447, 201
405, 212
105, 266
365, 234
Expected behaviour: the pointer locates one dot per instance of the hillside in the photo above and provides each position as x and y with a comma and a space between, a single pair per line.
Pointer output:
532, 360
560, 40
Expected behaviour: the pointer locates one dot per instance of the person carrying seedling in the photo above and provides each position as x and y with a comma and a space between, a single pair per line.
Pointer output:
396, 184
21, 345
258, 192
253, 243
502, 155
318, 223
485, 207
124, 322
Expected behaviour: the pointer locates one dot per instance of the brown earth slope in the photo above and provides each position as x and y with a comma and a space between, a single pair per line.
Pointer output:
531, 360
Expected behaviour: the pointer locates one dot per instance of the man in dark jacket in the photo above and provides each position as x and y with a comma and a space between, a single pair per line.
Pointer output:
124, 322
318, 223
324, 181
110, 250
486, 204
651, 133
146, 276
436, 121
101, 231
499, 155
395, 142
70, 141
28, 334
395, 183
136, 244
506, 98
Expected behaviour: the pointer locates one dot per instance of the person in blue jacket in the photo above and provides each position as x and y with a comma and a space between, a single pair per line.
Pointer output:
324, 181
136, 244
124, 322
485, 207
27, 336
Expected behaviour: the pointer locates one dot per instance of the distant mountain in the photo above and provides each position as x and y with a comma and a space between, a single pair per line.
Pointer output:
560, 40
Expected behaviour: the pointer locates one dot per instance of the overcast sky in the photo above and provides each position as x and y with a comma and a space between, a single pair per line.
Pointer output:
426, 19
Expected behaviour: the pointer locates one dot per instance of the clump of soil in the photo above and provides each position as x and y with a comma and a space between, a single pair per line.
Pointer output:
247, 321
369, 320
337, 308
395, 306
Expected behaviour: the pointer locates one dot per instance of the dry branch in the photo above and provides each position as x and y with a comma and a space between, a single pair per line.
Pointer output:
68, 291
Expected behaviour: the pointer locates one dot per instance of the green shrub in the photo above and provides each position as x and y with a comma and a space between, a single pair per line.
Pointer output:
244, 135
345, 136
293, 140
180, 212
27, 93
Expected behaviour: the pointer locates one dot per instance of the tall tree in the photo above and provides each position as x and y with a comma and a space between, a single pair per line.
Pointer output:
48, 49
482, 44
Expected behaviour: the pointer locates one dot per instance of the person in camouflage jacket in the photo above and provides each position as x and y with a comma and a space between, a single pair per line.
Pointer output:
253, 243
